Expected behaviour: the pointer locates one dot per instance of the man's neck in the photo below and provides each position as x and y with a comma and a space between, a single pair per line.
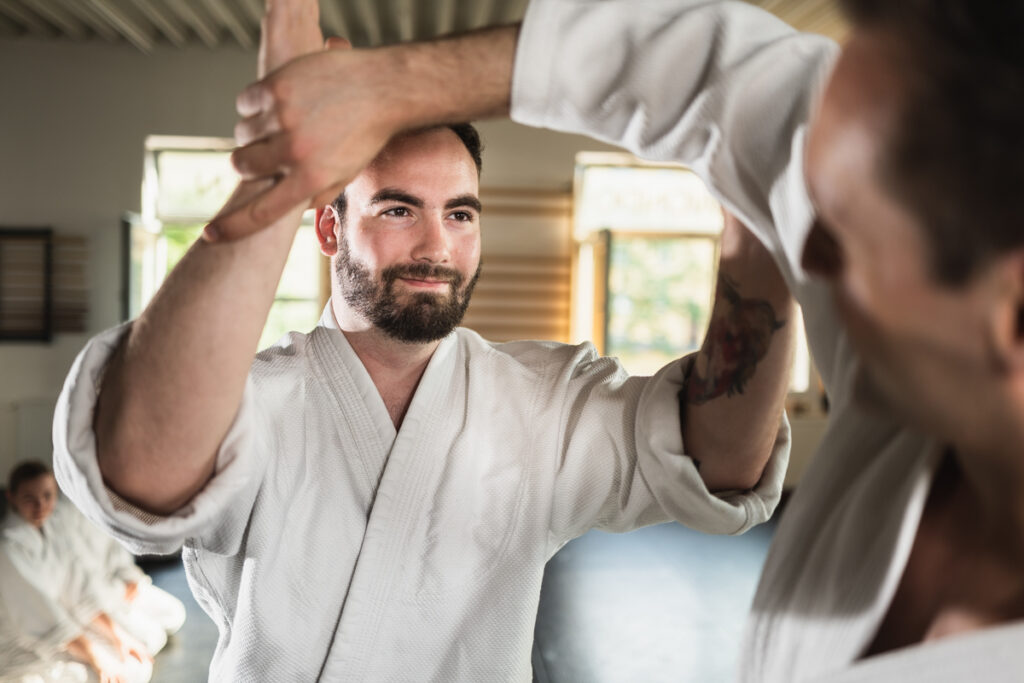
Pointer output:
995, 479
395, 367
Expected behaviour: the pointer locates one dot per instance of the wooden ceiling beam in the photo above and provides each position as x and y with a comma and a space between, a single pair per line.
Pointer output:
364, 16
198, 24
125, 25
25, 18
163, 23
333, 19
61, 19
254, 9
507, 12
475, 14
403, 14
8, 27
222, 13
86, 13
445, 17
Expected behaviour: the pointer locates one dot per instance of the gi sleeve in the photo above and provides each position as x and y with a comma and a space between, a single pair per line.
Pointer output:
215, 517
722, 87
622, 463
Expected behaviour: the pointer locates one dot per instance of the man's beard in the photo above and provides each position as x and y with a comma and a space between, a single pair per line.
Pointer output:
425, 317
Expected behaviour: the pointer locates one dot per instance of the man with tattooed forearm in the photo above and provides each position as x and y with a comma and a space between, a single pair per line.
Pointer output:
376, 499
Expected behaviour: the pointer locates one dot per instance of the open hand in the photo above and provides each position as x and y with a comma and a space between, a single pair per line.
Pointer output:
295, 121
290, 30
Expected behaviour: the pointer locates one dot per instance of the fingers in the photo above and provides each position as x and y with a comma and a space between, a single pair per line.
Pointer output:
255, 99
245, 192
337, 43
260, 211
289, 30
256, 127
263, 159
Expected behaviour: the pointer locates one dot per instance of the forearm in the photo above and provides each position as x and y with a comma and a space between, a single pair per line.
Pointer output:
104, 625
174, 385
82, 648
459, 78
734, 397
320, 119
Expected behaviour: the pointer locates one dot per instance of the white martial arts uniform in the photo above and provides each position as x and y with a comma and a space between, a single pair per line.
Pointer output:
48, 598
328, 546
727, 89
152, 614
35, 627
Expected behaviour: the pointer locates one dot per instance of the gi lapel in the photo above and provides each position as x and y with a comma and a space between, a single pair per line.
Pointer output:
399, 495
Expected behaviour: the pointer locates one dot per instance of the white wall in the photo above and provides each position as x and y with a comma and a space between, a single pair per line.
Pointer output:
73, 119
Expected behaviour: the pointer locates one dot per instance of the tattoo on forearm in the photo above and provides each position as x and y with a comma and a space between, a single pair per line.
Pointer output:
738, 338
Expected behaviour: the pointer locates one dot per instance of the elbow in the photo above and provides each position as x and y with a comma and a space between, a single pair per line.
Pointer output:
733, 469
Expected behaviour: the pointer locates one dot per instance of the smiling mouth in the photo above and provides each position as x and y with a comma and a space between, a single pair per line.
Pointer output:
430, 284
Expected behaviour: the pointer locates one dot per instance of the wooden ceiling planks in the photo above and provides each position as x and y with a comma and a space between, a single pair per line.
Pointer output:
145, 23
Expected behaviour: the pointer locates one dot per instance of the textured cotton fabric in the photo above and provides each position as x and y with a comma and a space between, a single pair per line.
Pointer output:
153, 613
47, 599
330, 547
727, 89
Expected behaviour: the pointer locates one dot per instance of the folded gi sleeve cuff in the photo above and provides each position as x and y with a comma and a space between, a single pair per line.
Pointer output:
672, 475
77, 469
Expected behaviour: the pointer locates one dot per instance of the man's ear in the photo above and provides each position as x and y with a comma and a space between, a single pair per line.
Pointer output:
1007, 320
327, 224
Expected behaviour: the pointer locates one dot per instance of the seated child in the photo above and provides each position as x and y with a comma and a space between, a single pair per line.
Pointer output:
53, 610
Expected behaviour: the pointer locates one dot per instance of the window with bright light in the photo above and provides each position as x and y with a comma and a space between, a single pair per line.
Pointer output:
186, 181
647, 242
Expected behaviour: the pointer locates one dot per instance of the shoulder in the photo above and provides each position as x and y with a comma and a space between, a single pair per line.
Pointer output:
285, 364
289, 350
15, 532
539, 358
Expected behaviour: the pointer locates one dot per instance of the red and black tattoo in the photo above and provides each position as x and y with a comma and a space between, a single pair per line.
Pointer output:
739, 336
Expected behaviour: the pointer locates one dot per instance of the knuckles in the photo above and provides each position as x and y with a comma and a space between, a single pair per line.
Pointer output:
297, 148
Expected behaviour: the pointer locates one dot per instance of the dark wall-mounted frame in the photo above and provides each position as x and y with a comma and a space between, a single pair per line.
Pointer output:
26, 284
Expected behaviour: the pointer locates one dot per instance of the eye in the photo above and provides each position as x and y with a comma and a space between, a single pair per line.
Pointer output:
462, 216
397, 212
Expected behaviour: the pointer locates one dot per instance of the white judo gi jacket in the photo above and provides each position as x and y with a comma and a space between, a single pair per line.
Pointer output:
728, 90
46, 598
153, 613
329, 547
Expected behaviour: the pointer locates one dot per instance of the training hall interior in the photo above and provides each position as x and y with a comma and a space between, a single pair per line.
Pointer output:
116, 119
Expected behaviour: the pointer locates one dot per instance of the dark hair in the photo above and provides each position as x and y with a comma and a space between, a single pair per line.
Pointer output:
26, 472
467, 134
955, 155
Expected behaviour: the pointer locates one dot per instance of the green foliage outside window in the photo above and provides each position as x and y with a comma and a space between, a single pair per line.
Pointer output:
659, 298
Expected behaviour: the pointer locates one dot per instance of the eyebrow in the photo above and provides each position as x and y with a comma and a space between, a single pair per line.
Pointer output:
464, 200
391, 194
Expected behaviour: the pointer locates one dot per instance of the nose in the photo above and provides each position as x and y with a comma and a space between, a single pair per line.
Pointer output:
432, 244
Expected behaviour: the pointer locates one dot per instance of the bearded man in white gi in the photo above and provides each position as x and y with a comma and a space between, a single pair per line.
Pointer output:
376, 500
885, 178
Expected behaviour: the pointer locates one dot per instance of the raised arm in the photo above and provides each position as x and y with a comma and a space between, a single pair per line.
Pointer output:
734, 396
174, 385
316, 122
